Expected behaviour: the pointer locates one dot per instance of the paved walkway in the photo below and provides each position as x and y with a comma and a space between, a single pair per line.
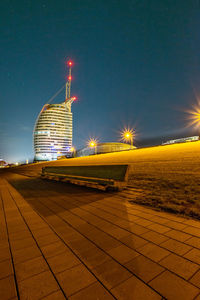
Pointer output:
72, 248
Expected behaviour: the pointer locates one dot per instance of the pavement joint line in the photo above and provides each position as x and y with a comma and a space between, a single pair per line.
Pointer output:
188, 252
128, 247
4, 261
186, 280
6, 276
170, 271
108, 255
82, 289
72, 252
184, 242
75, 253
157, 275
34, 275
176, 216
48, 295
142, 217
14, 272
60, 272
193, 274
115, 208
152, 208
124, 229
37, 245
196, 296
130, 232
119, 227
165, 257
135, 249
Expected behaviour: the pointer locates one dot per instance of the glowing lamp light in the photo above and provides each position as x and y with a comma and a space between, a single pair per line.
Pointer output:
69, 77
128, 135
69, 63
74, 98
194, 116
92, 144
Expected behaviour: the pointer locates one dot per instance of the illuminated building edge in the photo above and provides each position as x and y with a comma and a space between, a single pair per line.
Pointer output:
105, 148
53, 132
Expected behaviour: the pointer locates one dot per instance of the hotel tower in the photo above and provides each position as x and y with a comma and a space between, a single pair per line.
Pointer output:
53, 128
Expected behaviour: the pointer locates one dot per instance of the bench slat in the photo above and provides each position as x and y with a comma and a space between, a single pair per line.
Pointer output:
115, 172
99, 176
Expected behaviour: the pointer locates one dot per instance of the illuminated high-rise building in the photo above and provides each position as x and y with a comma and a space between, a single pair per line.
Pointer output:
53, 128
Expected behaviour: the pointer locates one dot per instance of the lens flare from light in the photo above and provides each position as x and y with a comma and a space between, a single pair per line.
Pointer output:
194, 116
127, 134
92, 143
70, 63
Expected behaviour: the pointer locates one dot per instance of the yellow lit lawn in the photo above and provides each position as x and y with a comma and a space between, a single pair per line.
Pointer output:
166, 177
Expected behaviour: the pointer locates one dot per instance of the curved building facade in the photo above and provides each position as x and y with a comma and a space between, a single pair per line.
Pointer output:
53, 132
53, 129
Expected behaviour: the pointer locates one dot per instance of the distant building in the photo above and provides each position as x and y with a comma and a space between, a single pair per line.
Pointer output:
53, 132
105, 148
2, 163
53, 129
182, 140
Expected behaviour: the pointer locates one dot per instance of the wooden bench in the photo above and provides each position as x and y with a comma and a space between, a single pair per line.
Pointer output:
103, 177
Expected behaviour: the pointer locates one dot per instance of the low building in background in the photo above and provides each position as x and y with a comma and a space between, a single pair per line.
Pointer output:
104, 148
3, 164
182, 140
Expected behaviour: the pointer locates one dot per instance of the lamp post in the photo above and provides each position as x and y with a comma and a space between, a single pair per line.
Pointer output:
128, 136
93, 144
72, 150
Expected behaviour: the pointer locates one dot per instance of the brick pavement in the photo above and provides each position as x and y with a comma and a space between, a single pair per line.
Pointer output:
69, 247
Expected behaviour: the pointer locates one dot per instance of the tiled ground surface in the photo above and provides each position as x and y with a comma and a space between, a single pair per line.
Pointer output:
86, 245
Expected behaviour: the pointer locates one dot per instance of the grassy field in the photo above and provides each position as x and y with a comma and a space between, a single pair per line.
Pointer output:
165, 177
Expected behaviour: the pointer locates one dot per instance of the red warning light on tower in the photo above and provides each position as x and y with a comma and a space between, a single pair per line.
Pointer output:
70, 63
69, 77
74, 98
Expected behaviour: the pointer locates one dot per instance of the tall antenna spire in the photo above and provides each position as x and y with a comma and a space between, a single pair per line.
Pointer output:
68, 99
68, 84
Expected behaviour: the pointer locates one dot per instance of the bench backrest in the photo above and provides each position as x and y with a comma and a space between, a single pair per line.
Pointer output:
115, 172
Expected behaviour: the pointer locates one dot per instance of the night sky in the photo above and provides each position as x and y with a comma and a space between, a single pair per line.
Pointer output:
136, 64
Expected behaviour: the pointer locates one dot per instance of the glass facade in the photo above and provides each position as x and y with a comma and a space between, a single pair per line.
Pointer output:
53, 132
105, 148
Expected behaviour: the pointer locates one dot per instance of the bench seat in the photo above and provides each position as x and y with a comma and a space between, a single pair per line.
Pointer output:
97, 176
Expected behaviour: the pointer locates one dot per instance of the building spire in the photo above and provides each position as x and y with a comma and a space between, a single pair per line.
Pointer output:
68, 99
69, 79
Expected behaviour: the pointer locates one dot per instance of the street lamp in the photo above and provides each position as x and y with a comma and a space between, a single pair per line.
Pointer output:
128, 135
72, 150
93, 144
194, 116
